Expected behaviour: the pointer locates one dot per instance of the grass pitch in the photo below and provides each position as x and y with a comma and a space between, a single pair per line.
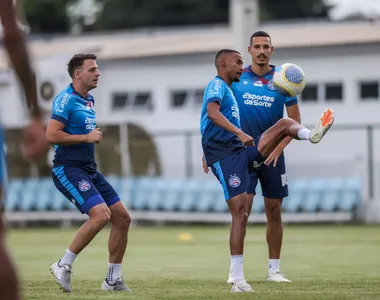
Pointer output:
324, 262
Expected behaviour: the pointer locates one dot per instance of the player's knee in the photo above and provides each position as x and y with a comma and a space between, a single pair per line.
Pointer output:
125, 221
285, 122
101, 217
241, 214
273, 210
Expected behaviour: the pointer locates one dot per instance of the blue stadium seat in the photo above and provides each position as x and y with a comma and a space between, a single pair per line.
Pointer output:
175, 191
314, 194
208, 199
219, 204
156, 196
332, 194
44, 194
58, 200
117, 183
297, 193
191, 195
142, 193
351, 195
14, 194
29, 199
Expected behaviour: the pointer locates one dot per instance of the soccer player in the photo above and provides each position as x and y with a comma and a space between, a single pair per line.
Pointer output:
227, 149
261, 106
72, 128
34, 135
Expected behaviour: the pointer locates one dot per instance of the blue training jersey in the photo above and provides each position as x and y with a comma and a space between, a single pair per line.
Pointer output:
78, 115
218, 143
261, 106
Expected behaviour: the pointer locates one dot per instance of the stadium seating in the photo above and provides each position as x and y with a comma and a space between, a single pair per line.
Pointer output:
308, 195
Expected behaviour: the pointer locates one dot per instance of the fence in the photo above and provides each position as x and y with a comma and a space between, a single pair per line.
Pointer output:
127, 152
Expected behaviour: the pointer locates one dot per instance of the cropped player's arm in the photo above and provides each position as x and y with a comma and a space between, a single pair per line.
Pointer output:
215, 116
56, 136
17, 51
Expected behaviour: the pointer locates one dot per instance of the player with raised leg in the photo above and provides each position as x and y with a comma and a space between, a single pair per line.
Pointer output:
72, 128
261, 106
228, 158
224, 146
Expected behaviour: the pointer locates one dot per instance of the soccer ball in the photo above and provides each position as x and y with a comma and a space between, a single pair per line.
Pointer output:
289, 80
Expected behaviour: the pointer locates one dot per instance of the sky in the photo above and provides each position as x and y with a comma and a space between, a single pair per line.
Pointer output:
343, 8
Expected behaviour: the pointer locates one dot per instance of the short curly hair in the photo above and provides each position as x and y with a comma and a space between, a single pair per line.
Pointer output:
77, 61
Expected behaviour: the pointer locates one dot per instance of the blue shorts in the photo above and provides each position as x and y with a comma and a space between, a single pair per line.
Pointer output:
232, 173
273, 180
83, 188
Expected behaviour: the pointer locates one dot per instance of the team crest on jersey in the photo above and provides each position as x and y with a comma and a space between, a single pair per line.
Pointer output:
84, 186
89, 105
271, 85
234, 181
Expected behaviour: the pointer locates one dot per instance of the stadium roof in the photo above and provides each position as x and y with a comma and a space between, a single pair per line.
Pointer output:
159, 42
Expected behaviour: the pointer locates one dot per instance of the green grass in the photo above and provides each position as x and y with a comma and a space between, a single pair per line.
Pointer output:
324, 262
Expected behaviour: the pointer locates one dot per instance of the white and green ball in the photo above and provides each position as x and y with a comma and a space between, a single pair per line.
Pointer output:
289, 79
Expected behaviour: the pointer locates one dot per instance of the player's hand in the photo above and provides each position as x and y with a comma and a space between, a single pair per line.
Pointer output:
246, 139
204, 164
94, 136
276, 153
34, 144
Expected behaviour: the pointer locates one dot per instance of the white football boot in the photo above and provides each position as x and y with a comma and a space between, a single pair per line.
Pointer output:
277, 276
241, 287
324, 124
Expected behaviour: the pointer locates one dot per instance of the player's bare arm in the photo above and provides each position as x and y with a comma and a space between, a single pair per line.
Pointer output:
215, 116
293, 113
56, 136
16, 48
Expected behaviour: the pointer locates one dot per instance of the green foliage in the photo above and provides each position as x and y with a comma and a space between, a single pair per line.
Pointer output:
48, 16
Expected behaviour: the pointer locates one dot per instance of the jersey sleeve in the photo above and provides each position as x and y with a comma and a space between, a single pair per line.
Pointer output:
214, 92
289, 101
61, 108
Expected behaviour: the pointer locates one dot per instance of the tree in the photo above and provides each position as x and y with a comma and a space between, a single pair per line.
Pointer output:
292, 9
46, 16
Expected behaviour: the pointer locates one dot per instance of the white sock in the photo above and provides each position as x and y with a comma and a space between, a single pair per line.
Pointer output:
237, 268
114, 272
68, 258
304, 133
274, 265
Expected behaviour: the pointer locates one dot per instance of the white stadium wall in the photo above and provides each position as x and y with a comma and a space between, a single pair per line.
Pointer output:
340, 153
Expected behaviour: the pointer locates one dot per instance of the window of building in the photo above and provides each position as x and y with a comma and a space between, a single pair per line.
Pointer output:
143, 99
178, 98
310, 93
119, 100
334, 92
369, 90
132, 100
198, 97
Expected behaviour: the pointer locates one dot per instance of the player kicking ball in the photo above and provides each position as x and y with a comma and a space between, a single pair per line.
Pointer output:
225, 149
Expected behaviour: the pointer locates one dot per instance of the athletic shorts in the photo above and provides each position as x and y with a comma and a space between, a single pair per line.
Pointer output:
84, 189
273, 180
232, 173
